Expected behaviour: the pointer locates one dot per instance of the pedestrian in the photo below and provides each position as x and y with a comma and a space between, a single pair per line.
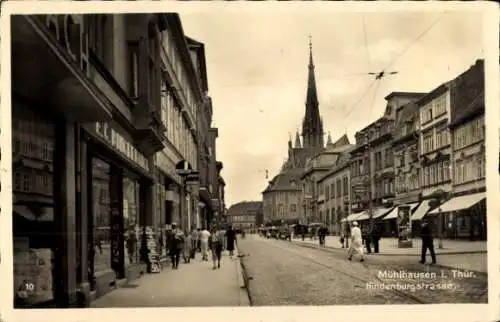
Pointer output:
356, 242
366, 233
427, 242
176, 245
188, 245
198, 245
194, 242
216, 247
230, 238
204, 237
376, 234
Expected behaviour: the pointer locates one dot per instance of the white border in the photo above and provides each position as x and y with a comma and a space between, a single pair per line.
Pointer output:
455, 312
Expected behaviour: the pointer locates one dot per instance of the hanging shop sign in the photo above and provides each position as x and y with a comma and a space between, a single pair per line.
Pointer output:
117, 141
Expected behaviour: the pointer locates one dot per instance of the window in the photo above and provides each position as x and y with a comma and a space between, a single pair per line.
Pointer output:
17, 181
345, 183
293, 208
378, 160
389, 158
134, 71
332, 190
26, 183
327, 192
442, 137
481, 166
428, 142
338, 188
440, 105
426, 113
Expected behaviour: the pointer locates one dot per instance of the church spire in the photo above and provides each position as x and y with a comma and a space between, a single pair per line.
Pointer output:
312, 127
297, 140
329, 140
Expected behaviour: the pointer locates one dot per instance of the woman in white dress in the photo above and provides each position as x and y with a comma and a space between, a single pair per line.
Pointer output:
356, 242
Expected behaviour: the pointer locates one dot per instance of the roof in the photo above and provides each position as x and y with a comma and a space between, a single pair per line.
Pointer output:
408, 112
404, 94
434, 93
467, 94
342, 141
245, 207
283, 181
341, 163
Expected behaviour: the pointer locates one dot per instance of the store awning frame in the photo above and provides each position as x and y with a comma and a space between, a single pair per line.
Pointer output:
459, 203
377, 213
421, 211
352, 217
394, 212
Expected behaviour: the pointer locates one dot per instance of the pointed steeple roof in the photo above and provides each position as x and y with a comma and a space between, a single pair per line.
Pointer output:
297, 140
312, 94
312, 126
329, 140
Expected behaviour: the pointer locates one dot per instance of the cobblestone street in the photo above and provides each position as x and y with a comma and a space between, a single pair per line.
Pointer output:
290, 274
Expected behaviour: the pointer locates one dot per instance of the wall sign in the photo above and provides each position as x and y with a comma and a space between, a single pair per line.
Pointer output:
166, 165
105, 131
69, 31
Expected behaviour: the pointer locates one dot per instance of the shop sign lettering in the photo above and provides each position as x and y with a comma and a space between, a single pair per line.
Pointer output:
115, 139
69, 32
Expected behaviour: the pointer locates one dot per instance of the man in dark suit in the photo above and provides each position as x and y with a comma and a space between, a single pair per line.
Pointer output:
427, 241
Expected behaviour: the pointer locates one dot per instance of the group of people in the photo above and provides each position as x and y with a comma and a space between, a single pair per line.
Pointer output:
358, 241
187, 244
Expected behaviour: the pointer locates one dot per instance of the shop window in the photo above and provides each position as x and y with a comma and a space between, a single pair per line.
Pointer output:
33, 255
131, 223
101, 212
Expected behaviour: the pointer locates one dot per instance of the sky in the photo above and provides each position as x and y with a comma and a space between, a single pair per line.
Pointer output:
257, 75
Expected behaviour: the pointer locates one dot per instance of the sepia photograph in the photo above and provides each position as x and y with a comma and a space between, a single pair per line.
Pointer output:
223, 158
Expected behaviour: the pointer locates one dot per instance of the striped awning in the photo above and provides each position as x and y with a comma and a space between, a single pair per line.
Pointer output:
394, 213
376, 213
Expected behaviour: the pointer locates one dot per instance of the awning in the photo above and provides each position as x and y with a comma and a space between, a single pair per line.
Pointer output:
394, 212
460, 203
421, 210
352, 217
376, 213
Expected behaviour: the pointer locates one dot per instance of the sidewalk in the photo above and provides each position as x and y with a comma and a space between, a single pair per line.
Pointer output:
193, 284
389, 246
464, 255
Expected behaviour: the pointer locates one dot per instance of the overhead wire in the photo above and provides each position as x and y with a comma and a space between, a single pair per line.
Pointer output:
420, 36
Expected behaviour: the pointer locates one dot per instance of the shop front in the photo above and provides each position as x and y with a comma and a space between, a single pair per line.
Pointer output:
115, 210
50, 96
464, 216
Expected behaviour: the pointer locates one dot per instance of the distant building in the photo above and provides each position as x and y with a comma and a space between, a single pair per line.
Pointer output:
336, 187
246, 215
313, 197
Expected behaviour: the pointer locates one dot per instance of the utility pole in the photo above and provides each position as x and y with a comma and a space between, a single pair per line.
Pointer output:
370, 210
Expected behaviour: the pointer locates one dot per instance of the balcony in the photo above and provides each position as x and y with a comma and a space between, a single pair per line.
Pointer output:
150, 132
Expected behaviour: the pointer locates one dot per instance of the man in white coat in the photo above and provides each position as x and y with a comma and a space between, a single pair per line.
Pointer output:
356, 242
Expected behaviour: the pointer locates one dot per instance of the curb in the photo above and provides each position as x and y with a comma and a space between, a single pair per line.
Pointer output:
331, 250
243, 276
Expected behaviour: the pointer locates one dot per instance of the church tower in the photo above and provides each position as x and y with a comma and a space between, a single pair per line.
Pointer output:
312, 125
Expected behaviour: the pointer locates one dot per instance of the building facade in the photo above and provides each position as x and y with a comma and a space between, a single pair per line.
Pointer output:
372, 162
467, 126
119, 110
435, 149
337, 189
245, 216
